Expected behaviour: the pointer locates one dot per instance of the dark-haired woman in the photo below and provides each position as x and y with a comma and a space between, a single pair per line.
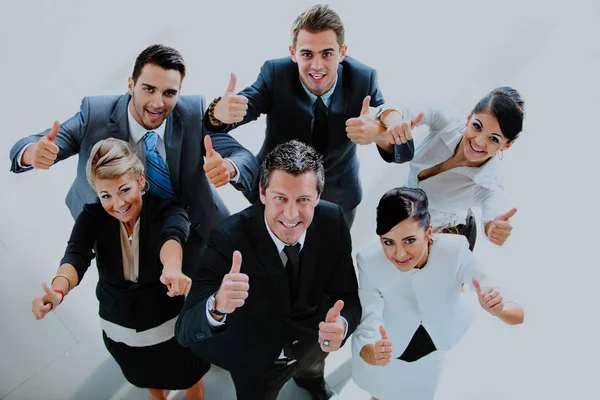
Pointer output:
413, 308
457, 164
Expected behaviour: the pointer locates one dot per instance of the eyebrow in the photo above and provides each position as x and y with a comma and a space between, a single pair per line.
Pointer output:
329, 49
492, 133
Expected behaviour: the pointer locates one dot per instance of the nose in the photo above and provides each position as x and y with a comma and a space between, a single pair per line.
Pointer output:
400, 252
480, 139
290, 211
118, 202
157, 100
317, 63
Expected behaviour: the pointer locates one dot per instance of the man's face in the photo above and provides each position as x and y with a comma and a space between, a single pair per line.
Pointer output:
317, 56
290, 203
154, 95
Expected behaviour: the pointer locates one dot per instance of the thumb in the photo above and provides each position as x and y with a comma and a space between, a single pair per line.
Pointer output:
508, 215
232, 81
476, 285
53, 132
384, 335
365, 106
47, 290
334, 312
417, 120
208, 146
165, 279
236, 264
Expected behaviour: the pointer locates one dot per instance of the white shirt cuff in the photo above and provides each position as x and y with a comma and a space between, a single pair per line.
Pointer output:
20, 156
236, 178
213, 322
346, 332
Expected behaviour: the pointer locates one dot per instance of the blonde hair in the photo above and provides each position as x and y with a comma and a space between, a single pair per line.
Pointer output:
316, 19
110, 158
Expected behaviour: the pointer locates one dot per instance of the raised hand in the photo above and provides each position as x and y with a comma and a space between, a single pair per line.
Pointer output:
379, 353
218, 169
331, 332
176, 281
498, 230
489, 298
41, 155
42, 305
232, 107
364, 129
402, 132
234, 289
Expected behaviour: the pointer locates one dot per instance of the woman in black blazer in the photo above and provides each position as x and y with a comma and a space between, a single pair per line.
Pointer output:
137, 239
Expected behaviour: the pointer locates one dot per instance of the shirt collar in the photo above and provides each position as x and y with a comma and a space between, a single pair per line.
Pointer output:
280, 245
137, 131
326, 97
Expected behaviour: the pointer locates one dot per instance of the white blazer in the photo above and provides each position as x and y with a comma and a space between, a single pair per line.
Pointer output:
431, 296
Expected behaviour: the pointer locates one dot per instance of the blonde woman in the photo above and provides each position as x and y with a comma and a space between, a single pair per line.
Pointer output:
137, 239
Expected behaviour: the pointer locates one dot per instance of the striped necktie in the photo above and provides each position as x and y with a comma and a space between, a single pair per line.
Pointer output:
156, 170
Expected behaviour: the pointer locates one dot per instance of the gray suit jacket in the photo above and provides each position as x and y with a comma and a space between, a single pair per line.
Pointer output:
101, 117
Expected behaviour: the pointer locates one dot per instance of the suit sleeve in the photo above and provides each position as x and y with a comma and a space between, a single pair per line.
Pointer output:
81, 243
375, 91
175, 223
68, 139
192, 325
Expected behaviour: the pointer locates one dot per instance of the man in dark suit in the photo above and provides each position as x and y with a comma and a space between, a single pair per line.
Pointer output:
311, 97
165, 129
292, 300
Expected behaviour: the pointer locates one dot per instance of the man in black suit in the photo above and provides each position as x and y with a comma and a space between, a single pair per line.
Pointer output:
319, 96
292, 300
152, 106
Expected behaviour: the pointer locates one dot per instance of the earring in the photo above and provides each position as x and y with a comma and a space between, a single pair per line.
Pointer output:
463, 129
500, 155
145, 188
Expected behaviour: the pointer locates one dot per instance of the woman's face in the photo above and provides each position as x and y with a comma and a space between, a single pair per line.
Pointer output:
483, 138
406, 245
121, 197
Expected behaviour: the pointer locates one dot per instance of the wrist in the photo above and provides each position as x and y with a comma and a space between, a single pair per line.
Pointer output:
212, 308
62, 295
214, 121
231, 169
26, 158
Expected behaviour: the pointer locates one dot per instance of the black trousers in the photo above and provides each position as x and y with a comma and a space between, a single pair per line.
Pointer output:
267, 385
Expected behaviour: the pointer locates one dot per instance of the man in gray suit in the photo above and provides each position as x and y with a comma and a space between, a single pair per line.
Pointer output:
167, 132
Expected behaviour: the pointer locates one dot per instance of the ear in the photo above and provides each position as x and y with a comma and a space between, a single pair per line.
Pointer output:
142, 180
293, 53
507, 145
130, 85
469, 118
343, 51
263, 197
429, 232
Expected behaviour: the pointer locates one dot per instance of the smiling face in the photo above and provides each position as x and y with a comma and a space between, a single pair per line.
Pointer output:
406, 245
317, 56
290, 203
122, 197
154, 95
483, 138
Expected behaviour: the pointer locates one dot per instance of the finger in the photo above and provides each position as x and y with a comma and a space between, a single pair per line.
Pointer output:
508, 215
365, 106
53, 132
383, 333
208, 146
47, 290
175, 287
353, 121
334, 312
331, 327
236, 264
476, 285
232, 82
417, 120
239, 103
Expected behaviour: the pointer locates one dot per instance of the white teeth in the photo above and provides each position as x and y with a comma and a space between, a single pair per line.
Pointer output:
290, 225
475, 148
317, 76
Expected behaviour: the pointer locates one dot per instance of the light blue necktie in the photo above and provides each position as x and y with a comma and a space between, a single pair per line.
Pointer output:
156, 170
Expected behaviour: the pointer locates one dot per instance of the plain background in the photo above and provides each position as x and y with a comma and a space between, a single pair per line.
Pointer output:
439, 53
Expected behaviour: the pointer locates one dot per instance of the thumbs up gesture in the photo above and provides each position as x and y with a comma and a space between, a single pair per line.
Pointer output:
232, 107
402, 132
379, 353
41, 155
234, 289
331, 332
364, 129
42, 305
489, 298
498, 230
218, 170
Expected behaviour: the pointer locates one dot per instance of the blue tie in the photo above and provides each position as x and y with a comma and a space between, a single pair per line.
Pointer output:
156, 170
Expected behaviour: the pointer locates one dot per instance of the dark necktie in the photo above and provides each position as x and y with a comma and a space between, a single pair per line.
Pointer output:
156, 169
320, 129
292, 267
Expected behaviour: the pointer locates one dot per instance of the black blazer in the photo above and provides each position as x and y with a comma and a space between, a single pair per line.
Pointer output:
254, 335
278, 93
144, 304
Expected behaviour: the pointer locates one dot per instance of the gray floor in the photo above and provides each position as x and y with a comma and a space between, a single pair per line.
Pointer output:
449, 53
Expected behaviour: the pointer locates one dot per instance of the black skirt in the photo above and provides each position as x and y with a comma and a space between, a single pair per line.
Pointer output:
166, 365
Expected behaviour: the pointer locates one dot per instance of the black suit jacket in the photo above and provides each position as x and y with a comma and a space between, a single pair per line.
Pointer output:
278, 93
254, 335
144, 304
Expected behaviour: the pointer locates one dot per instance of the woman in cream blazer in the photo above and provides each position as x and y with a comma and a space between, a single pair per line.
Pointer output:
413, 307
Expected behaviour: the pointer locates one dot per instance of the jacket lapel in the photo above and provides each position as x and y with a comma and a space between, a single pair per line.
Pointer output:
118, 126
173, 140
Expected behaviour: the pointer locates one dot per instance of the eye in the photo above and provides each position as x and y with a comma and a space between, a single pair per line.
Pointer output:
476, 126
279, 198
388, 242
148, 90
494, 139
125, 190
304, 200
327, 54
410, 240
305, 54
170, 94
105, 197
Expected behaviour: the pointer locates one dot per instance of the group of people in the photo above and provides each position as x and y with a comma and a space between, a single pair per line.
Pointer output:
268, 292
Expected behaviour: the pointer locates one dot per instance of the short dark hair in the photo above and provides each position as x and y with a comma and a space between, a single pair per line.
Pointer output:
399, 204
506, 104
164, 56
294, 158
316, 19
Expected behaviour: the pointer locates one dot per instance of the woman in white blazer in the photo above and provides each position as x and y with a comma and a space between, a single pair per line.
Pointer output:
412, 304
457, 164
